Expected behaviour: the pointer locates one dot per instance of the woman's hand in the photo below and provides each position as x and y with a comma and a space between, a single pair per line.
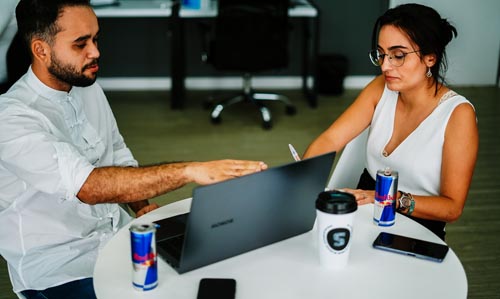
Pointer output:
362, 196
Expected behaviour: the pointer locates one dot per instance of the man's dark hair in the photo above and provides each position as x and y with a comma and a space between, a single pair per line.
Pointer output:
38, 18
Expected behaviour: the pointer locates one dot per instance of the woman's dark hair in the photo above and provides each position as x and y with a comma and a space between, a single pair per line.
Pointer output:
425, 27
37, 18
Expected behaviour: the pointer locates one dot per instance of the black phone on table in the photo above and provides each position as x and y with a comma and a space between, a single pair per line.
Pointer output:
217, 288
410, 246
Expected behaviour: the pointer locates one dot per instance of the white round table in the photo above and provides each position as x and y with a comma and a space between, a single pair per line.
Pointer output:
290, 268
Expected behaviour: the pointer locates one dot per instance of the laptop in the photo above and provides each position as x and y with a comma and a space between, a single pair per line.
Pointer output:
242, 214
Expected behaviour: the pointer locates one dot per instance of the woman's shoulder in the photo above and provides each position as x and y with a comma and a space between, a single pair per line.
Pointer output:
453, 99
375, 90
376, 85
459, 110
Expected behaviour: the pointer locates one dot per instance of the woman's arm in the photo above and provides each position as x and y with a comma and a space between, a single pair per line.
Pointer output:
351, 122
459, 159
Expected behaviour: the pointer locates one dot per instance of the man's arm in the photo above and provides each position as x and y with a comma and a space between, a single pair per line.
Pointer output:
127, 184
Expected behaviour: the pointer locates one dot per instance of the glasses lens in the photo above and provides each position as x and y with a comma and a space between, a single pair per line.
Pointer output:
397, 57
375, 57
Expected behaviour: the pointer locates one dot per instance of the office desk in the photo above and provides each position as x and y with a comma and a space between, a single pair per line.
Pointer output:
306, 11
290, 268
136, 9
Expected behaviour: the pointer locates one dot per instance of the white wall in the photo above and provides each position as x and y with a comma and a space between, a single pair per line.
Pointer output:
473, 57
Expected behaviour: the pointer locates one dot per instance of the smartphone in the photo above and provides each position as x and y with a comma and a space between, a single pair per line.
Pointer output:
217, 288
410, 246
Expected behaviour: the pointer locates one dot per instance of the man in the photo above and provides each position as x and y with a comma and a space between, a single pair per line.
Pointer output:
63, 162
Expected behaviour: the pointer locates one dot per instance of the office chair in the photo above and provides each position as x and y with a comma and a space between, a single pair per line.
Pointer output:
351, 163
250, 36
18, 59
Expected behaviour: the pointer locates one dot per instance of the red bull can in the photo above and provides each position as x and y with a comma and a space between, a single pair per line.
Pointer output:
144, 261
386, 192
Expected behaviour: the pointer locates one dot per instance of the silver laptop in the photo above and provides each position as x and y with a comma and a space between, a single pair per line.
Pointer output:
245, 213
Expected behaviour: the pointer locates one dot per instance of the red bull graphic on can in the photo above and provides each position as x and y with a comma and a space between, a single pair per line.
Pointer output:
386, 191
144, 258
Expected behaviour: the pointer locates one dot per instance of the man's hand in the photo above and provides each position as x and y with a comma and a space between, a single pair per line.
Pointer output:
205, 173
146, 209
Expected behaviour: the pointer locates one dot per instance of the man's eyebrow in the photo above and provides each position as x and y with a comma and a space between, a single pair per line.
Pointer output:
82, 38
85, 37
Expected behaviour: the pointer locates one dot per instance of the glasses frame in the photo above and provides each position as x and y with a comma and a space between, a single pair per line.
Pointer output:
390, 56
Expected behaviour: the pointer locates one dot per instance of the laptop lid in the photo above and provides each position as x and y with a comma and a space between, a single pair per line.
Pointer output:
246, 213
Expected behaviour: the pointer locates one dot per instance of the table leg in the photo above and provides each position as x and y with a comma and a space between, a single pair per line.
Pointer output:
309, 59
178, 63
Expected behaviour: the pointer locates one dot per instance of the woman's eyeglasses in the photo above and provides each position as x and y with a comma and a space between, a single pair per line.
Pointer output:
396, 57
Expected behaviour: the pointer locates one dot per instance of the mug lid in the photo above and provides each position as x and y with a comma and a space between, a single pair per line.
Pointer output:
336, 202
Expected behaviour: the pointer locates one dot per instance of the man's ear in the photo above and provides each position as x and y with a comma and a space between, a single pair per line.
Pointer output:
40, 50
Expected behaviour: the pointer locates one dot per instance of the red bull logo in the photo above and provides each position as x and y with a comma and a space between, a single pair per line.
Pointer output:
143, 258
385, 200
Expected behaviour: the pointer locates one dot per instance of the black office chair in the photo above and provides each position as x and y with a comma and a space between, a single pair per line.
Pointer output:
18, 59
250, 36
18, 62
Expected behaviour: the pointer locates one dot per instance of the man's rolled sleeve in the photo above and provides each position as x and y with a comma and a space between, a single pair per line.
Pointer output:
39, 159
73, 169
124, 157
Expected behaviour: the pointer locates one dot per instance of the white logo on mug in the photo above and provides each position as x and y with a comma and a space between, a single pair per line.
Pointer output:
337, 238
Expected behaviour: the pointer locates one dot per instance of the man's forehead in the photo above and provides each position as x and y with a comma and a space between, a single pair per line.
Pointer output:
77, 20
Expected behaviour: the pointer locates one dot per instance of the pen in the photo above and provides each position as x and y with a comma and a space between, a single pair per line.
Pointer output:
294, 152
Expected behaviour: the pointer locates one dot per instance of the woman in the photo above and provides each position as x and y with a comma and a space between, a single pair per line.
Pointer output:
418, 126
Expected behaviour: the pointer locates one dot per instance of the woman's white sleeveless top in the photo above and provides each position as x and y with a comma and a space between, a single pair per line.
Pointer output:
418, 158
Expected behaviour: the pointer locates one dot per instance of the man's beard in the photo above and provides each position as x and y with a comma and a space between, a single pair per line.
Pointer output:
69, 74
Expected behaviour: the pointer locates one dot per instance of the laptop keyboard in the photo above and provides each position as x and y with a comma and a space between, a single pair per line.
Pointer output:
174, 246
170, 238
171, 227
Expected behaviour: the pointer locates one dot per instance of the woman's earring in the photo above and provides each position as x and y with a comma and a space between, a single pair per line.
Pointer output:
429, 73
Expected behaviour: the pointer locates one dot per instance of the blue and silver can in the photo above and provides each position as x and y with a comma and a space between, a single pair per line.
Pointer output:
386, 192
144, 259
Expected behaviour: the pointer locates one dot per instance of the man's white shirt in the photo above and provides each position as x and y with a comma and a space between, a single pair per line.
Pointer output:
50, 141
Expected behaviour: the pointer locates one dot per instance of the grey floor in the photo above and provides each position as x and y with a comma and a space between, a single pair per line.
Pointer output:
155, 133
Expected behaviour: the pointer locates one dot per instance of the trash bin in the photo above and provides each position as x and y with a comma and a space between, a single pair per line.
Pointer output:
332, 69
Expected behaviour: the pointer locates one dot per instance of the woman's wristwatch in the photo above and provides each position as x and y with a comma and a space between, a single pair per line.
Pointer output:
406, 203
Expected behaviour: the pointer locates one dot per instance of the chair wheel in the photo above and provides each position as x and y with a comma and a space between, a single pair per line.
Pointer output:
216, 120
267, 125
290, 110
